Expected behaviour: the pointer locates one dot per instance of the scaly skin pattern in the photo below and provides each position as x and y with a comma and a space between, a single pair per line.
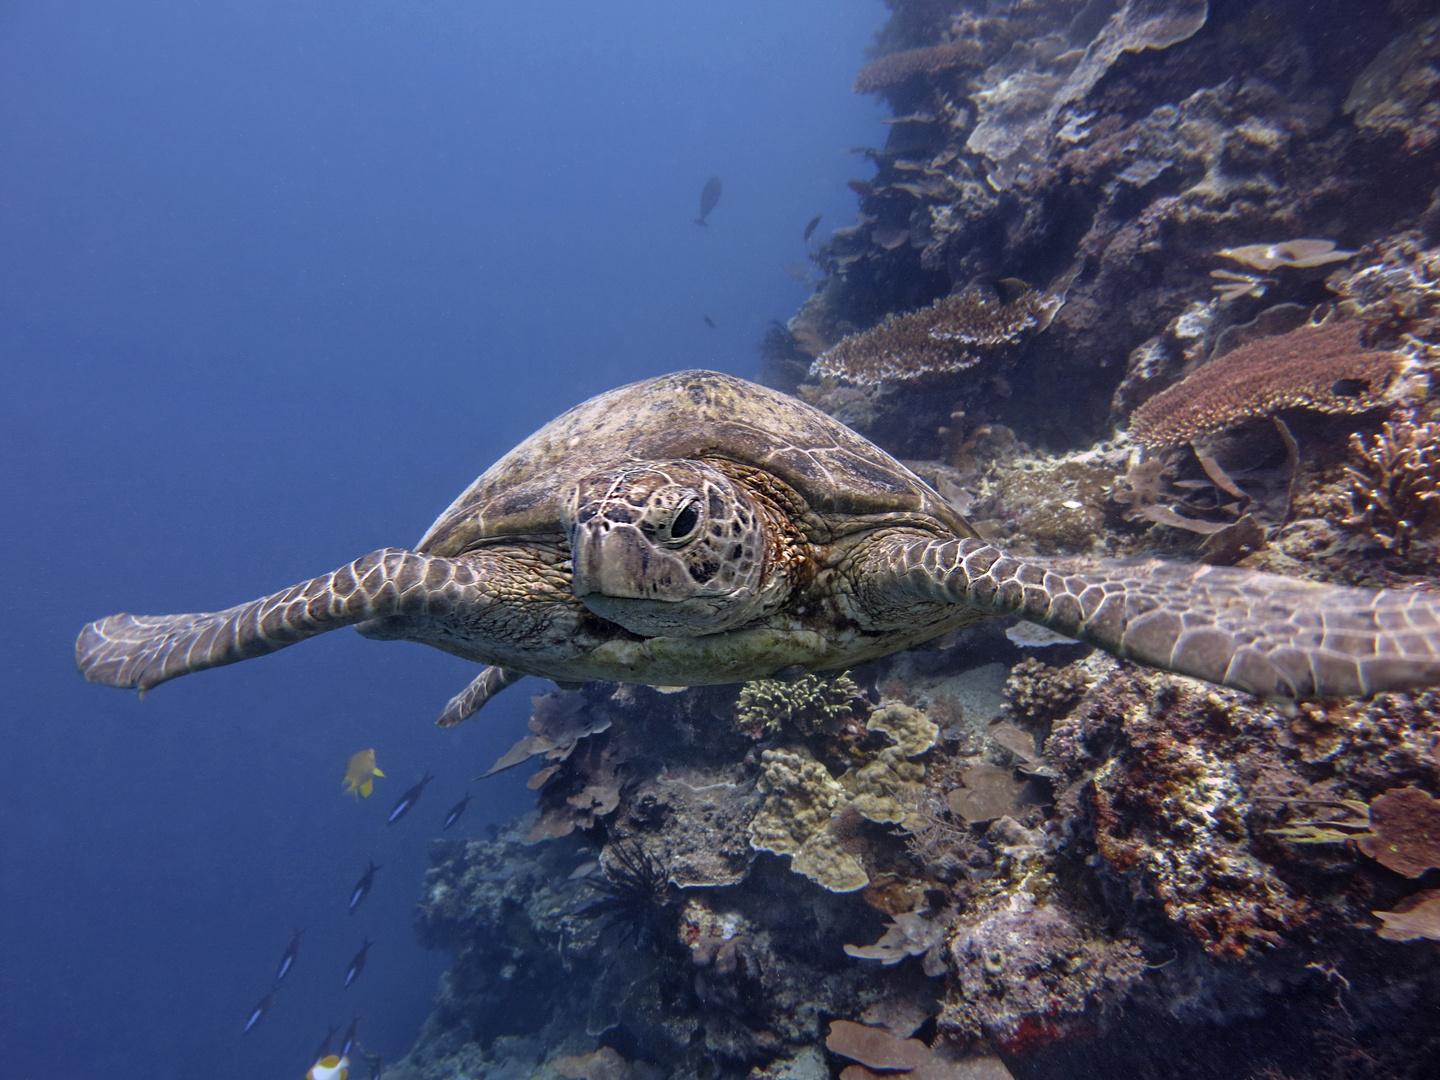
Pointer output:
1273, 636
141, 651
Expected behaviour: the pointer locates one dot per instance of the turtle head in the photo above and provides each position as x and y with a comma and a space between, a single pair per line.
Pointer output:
668, 549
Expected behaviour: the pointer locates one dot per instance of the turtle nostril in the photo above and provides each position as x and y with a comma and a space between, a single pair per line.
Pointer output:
685, 521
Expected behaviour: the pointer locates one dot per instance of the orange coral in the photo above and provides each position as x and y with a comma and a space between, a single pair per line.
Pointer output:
897, 67
1324, 368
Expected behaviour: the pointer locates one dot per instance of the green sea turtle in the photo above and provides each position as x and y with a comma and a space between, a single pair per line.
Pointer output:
697, 528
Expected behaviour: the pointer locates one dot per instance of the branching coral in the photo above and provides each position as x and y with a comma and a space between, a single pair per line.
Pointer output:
952, 334
806, 705
1323, 368
899, 66
1395, 491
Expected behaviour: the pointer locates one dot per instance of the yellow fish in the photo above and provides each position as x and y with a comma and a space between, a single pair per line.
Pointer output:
360, 774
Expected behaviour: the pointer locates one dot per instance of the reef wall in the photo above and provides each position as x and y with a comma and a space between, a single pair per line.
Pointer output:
1156, 276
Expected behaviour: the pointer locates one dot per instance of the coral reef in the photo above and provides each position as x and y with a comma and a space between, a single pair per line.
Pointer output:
1003, 855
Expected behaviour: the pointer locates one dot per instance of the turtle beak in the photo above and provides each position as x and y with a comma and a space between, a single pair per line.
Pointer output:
618, 560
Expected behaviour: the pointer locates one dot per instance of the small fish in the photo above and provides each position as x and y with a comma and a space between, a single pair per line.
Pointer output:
358, 964
709, 322
289, 958
325, 1047
360, 774
330, 1067
258, 1012
810, 228
349, 1043
362, 887
709, 197
455, 811
409, 799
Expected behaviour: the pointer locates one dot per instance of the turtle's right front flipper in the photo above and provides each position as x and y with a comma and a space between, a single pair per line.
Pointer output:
141, 651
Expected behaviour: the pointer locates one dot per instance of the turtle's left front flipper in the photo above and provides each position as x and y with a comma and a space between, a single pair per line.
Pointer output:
1274, 636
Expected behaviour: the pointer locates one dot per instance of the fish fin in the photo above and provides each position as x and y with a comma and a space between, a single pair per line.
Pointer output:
366, 788
377, 772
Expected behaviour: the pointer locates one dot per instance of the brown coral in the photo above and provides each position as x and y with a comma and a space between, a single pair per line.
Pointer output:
950, 335
1406, 837
899, 66
1395, 493
1323, 368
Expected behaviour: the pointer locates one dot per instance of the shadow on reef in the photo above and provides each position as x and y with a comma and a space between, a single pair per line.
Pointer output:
1131, 278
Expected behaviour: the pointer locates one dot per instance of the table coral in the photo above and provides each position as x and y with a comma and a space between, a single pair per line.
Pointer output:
1324, 368
950, 335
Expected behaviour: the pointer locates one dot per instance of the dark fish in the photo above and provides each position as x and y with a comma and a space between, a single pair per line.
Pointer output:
259, 1011
289, 958
325, 1051
409, 799
358, 964
810, 228
349, 1042
455, 811
709, 196
362, 887
1350, 387
709, 322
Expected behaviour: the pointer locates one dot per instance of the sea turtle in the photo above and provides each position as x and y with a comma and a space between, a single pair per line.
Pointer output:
697, 528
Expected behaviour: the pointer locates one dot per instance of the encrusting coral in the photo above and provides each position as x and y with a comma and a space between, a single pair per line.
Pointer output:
1324, 368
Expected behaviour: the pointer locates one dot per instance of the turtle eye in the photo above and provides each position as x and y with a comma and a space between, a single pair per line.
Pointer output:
684, 522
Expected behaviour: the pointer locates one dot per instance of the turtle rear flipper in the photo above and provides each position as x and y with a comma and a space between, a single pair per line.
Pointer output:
473, 698
1273, 636
141, 651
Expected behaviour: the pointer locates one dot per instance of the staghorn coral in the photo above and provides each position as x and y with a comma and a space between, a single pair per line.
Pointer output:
807, 705
950, 335
1394, 492
1322, 368
900, 66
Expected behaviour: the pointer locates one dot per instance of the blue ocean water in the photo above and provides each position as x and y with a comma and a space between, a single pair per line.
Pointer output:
277, 279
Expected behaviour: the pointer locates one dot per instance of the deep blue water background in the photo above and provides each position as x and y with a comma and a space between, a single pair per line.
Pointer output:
277, 279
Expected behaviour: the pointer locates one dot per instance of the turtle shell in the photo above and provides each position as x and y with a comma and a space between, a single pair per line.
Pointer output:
690, 414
